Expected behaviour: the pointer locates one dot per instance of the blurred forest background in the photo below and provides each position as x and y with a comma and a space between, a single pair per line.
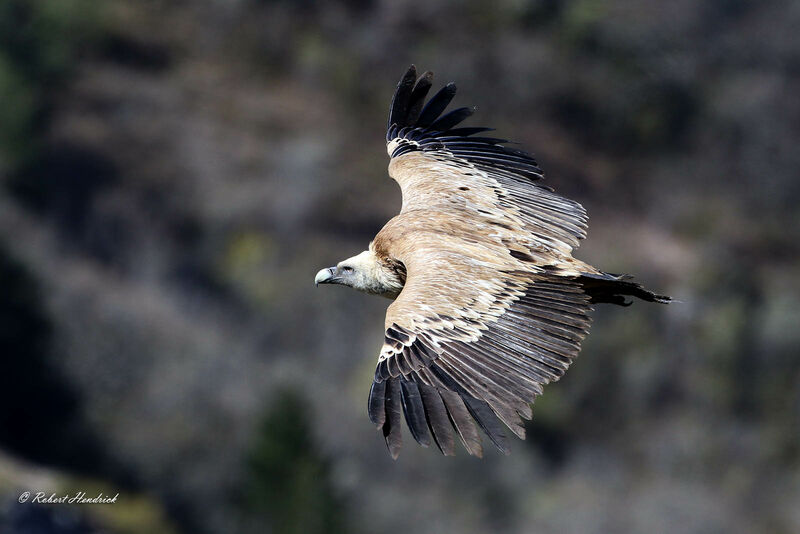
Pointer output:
173, 174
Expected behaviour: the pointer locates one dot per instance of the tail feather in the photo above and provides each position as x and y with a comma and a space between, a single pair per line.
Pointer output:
612, 289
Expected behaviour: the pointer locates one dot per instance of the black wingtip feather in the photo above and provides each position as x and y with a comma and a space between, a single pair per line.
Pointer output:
400, 101
438, 421
376, 405
417, 99
488, 422
448, 120
414, 412
392, 432
436, 105
463, 423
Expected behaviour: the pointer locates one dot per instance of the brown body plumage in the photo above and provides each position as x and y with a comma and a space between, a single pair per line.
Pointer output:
489, 303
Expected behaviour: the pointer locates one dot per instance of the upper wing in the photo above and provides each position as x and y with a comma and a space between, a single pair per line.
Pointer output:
555, 222
484, 320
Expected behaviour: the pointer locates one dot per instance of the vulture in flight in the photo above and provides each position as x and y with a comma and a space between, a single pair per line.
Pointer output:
488, 303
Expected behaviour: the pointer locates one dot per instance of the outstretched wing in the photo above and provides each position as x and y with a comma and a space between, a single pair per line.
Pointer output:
556, 222
491, 310
480, 356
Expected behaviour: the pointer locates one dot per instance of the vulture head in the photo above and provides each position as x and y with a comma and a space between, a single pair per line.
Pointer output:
362, 272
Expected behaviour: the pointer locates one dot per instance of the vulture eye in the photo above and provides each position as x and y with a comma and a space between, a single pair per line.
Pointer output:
347, 269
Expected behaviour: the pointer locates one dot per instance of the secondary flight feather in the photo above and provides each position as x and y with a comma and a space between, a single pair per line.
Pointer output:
489, 304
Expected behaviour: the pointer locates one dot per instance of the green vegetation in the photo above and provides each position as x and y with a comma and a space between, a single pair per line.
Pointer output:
40, 41
290, 484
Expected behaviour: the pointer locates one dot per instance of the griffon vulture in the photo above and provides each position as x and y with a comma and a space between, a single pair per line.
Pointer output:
488, 303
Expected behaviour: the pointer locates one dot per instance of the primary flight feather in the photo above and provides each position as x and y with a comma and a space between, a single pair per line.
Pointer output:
489, 304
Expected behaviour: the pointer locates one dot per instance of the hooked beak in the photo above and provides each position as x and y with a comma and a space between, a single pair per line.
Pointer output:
325, 276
